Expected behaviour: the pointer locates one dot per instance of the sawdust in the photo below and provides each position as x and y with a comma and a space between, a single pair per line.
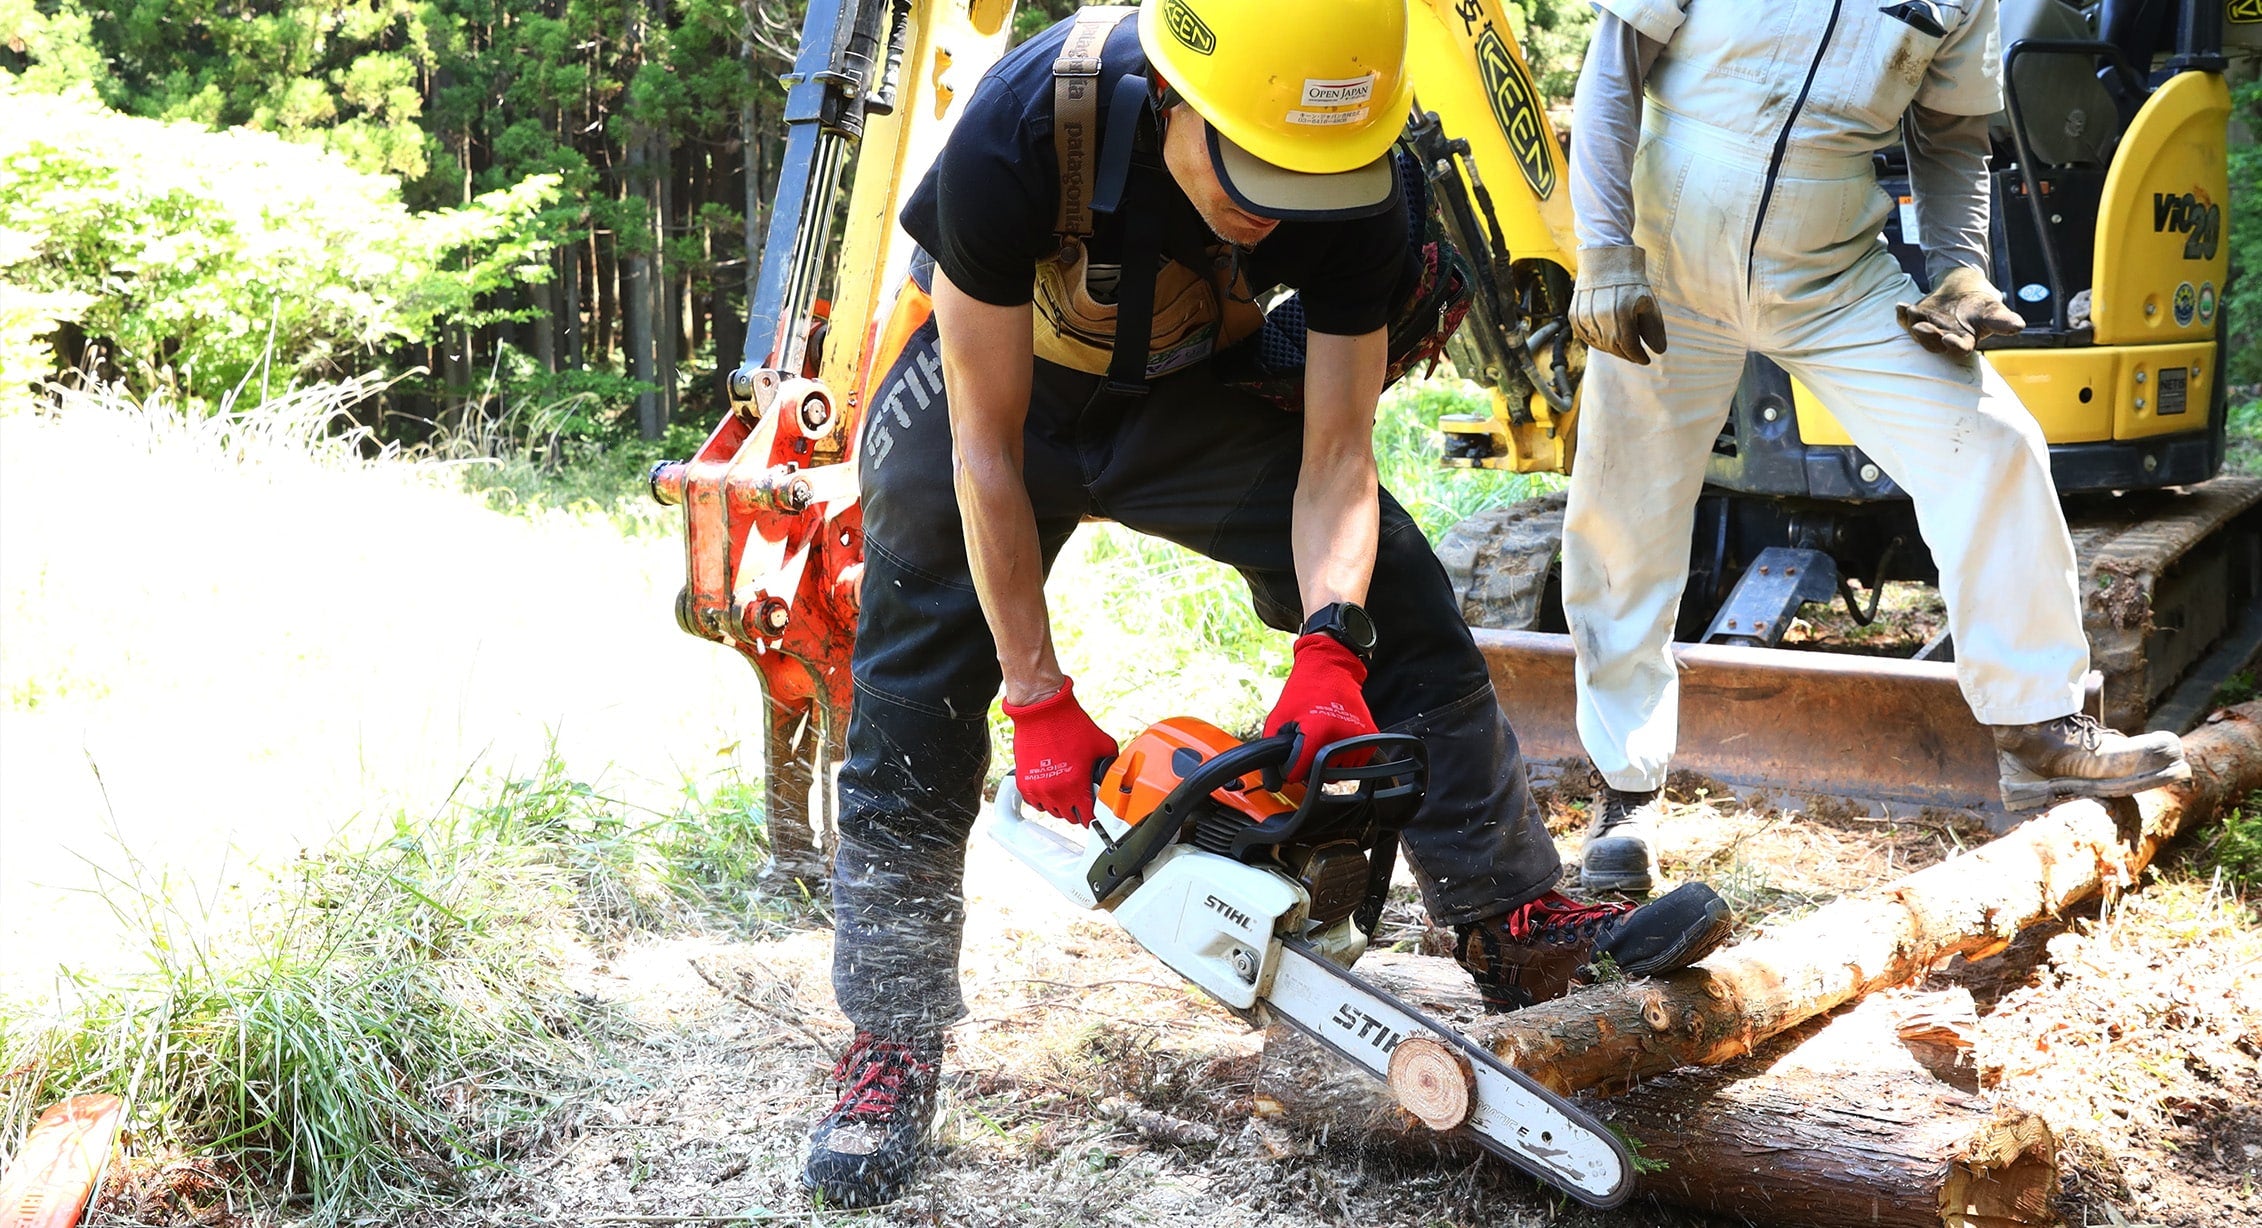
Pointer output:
2138, 1034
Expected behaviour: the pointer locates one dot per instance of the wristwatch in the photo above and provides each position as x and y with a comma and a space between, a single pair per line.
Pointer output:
1347, 625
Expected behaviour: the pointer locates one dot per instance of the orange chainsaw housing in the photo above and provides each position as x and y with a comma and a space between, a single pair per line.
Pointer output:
1153, 763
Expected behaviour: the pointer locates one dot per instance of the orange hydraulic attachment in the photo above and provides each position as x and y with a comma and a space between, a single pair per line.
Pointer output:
1153, 763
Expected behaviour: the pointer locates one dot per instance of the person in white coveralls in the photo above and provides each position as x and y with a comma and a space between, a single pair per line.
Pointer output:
1726, 204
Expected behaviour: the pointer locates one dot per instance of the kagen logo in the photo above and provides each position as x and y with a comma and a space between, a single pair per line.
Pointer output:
1515, 105
1187, 28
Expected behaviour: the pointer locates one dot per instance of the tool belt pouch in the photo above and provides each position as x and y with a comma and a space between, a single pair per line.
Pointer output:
1271, 364
1075, 322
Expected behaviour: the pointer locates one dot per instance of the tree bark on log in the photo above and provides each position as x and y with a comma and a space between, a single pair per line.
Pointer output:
1612, 1035
1845, 1126
1841, 1121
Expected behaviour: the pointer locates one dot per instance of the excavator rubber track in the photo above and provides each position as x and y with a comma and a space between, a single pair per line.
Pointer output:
2172, 600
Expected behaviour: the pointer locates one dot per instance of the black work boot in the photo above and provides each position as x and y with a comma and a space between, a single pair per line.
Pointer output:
1620, 852
2074, 756
864, 1152
1542, 949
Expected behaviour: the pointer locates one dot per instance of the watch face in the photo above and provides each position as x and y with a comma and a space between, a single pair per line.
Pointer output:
1358, 629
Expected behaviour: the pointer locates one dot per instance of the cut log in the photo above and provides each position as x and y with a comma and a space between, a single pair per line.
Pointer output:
1840, 1121
1863, 1120
1612, 1035
1433, 1081
1841, 1124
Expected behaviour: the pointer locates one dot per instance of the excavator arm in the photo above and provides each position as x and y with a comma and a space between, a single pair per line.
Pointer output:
773, 537
773, 532
1502, 185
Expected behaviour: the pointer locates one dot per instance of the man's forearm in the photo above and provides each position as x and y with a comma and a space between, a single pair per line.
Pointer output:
1007, 562
1338, 510
986, 368
1607, 126
1948, 174
1338, 517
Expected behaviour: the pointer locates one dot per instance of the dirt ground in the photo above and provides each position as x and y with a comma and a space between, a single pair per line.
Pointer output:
1091, 1087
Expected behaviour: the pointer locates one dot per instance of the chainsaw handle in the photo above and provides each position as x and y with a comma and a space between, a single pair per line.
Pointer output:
1124, 860
1056, 856
1384, 786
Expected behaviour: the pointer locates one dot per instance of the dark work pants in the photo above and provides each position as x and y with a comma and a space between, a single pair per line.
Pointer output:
1200, 464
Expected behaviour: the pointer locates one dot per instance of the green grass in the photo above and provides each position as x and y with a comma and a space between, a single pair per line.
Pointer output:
349, 1029
2234, 846
1408, 446
2244, 442
559, 456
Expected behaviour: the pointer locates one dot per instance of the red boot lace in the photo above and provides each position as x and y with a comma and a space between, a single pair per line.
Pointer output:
1557, 917
874, 1071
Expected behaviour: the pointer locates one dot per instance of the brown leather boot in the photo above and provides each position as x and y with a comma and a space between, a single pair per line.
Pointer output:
1542, 949
2074, 756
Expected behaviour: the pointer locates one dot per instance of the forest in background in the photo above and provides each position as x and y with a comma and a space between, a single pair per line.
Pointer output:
527, 216
510, 204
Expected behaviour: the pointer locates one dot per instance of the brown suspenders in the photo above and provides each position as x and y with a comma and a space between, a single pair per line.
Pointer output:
1076, 115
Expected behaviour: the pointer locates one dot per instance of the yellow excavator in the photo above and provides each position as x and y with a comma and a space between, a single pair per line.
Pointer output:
2110, 188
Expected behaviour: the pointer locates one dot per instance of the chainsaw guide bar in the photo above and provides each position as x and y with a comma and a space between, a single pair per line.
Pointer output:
1213, 876
1511, 1116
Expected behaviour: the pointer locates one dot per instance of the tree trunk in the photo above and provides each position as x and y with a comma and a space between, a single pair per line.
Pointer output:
636, 260
604, 269
1973, 904
570, 277
544, 325
667, 319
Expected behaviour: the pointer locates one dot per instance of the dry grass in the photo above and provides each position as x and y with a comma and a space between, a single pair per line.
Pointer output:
259, 642
2139, 1036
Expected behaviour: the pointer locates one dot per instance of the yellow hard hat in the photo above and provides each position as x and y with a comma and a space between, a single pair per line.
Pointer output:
1302, 99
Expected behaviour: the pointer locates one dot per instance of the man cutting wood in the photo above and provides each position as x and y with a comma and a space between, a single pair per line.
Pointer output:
1097, 232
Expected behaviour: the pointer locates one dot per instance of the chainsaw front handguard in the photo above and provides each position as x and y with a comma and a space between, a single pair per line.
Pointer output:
1363, 788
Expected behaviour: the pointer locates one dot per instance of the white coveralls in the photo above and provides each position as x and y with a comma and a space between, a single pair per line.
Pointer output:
1791, 265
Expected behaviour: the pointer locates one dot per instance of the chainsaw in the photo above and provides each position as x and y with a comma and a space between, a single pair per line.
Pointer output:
1264, 892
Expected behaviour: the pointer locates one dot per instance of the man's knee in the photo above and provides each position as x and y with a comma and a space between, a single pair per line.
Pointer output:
913, 778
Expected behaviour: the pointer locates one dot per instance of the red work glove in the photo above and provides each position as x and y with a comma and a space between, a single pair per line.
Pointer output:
1321, 703
1057, 750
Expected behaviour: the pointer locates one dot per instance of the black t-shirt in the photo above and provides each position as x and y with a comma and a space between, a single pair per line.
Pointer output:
985, 210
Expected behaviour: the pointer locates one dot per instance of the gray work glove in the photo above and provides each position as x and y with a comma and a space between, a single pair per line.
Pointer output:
1962, 310
1612, 308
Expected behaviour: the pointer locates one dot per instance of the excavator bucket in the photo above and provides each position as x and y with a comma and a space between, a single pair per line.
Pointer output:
1799, 723
2170, 596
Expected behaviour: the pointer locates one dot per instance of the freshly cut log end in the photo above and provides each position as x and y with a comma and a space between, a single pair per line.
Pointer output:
1433, 1081
2003, 1175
